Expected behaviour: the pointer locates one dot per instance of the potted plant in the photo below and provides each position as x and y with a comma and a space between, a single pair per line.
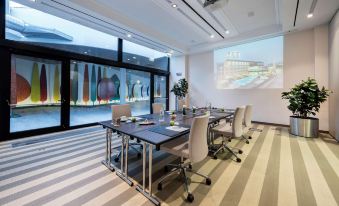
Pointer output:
180, 91
304, 101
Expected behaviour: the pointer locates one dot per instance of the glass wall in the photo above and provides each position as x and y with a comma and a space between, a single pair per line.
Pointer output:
35, 93
94, 88
36, 89
137, 89
30, 25
160, 95
140, 55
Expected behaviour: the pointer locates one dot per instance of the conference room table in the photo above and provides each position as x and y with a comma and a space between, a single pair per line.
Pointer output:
153, 135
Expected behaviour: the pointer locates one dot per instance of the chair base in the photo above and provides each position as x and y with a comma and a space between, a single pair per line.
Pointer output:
223, 146
183, 169
131, 145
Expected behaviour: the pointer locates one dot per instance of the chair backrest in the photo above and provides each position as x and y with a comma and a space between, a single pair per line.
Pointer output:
248, 116
197, 146
237, 126
157, 107
121, 110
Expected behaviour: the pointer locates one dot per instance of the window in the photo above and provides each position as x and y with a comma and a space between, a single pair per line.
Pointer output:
93, 89
30, 25
35, 93
143, 56
253, 65
138, 91
160, 95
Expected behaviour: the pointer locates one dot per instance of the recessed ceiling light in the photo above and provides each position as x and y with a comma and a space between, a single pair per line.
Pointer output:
212, 36
129, 35
171, 51
174, 5
128, 59
85, 52
227, 31
310, 15
134, 57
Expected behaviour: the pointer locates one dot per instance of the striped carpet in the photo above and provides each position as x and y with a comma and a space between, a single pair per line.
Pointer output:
276, 169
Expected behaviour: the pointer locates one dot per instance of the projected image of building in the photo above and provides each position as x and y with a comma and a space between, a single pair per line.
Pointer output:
235, 72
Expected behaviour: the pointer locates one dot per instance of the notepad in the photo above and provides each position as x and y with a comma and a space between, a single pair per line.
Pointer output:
177, 128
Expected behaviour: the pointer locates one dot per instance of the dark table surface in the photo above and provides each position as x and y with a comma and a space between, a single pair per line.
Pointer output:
145, 133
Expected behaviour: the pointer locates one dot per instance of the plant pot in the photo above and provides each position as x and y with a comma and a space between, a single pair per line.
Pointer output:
304, 127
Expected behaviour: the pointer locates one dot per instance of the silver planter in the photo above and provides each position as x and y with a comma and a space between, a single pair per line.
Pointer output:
304, 127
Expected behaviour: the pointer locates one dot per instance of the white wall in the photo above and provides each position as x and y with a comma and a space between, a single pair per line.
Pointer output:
303, 52
179, 65
334, 75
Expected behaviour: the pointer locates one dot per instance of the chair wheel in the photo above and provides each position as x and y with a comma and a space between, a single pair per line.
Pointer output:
215, 157
166, 169
190, 197
238, 160
229, 140
139, 155
116, 159
240, 151
247, 142
208, 181
159, 186
250, 137
190, 166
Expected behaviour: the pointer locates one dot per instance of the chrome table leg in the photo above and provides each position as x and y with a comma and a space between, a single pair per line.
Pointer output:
108, 155
142, 189
123, 172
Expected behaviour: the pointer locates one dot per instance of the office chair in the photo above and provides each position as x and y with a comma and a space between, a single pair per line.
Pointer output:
194, 148
157, 107
117, 112
248, 120
234, 131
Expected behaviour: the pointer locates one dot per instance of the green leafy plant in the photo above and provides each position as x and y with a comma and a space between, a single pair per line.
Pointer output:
305, 98
180, 89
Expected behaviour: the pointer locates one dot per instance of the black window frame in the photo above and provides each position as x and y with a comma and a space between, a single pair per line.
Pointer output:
10, 47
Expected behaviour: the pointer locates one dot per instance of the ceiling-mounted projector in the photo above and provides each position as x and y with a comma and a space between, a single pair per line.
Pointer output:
212, 5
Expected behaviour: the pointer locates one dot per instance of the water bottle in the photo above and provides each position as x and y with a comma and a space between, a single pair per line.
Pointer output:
161, 115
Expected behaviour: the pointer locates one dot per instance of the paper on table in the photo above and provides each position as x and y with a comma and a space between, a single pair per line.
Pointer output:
212, 117
136, 118
177, 128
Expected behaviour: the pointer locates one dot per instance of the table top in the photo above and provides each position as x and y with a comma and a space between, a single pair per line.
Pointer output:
147, 132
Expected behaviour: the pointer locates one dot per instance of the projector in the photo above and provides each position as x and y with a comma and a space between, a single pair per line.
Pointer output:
209, 2
212, 5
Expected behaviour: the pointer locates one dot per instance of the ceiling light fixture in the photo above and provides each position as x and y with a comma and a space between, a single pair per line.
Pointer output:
134, 57
212, 36
227, 31
174, 5
129, 35
311, 11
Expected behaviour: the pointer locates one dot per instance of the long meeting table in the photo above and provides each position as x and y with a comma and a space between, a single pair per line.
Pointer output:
151, 136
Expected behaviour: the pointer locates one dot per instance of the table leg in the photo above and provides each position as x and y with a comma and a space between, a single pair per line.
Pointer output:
108, 155
142, 189
123, 172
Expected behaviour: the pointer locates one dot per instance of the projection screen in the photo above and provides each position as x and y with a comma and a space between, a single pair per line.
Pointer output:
255, 65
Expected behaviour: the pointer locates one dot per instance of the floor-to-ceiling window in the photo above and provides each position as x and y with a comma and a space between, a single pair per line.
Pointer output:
66, 74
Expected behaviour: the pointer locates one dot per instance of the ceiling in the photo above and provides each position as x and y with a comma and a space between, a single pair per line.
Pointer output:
189, 26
